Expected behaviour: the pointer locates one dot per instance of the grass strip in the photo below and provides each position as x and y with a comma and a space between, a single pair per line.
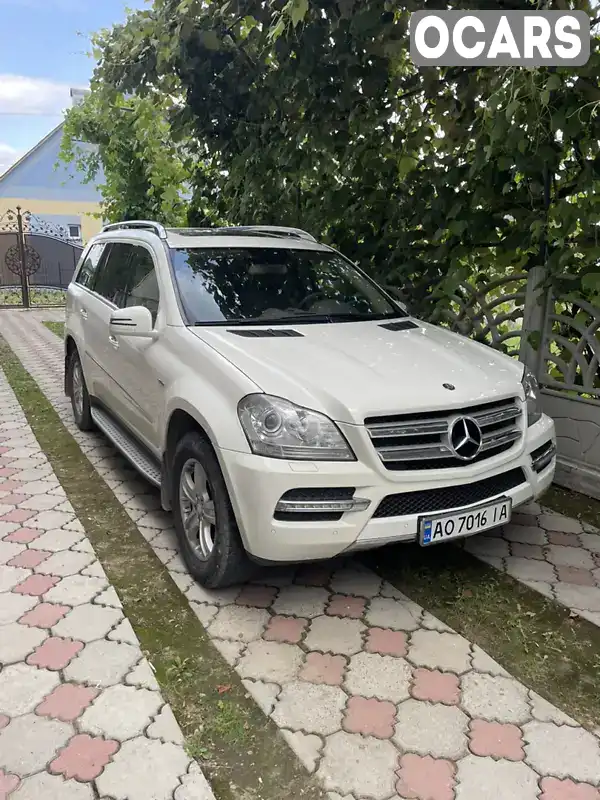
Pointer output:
536, 639
56, 327
240, 749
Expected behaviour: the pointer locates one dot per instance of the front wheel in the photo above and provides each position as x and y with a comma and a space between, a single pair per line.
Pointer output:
204, 520
80, 399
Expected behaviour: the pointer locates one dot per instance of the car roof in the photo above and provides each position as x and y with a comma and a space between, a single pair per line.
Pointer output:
231, 237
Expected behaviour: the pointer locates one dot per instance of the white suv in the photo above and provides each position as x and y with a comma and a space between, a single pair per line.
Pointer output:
289, 408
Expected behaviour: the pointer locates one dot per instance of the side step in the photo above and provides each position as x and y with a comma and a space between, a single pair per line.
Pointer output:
127, 445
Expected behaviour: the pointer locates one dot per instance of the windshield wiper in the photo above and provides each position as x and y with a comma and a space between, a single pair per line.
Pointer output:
268, 321
302, 319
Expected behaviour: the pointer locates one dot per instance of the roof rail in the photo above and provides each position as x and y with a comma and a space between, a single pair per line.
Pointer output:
144, 224
277, 229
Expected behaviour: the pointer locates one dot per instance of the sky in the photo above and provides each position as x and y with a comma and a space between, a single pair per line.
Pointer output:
43, 53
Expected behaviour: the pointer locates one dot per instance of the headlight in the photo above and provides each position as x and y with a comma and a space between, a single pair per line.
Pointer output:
532, 396
280, 429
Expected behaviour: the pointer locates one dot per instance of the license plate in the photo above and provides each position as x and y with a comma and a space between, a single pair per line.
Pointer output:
444, 527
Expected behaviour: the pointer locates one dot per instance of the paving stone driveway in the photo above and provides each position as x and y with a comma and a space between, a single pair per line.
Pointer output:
375, 695
81, 714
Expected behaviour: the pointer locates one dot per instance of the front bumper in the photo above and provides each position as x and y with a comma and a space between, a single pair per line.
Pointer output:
256, 485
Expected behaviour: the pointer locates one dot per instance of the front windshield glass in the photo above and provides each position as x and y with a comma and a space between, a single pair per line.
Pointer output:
266, 285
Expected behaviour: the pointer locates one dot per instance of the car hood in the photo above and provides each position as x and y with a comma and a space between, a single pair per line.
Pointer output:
353, 370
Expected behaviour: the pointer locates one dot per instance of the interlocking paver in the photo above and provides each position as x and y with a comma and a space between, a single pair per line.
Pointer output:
562, 751
324, 668
142, 769
13, 606
87, 622
360, 764
496, 740
285, 629
84, 757
554, 789
239, 623
488, 779
52, 787
165, 727
54, 653
301, 601
445, 651
495, 698
335, 635
274, 662
384, 677
309, 707
66, 702
265, 694
306, 746
431, 729
74, 590
436, 686
17, 642
30, 742
399, 615
22, 687
121, 712
423, 777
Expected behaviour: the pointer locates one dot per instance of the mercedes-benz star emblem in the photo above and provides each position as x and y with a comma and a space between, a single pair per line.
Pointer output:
464, 438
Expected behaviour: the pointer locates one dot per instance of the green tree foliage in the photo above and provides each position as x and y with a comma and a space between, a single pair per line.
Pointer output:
310, 113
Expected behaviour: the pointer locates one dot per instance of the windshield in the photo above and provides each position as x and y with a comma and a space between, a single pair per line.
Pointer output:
266, 285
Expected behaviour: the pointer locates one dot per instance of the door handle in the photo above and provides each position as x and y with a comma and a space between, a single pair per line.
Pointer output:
114, 341
83, 313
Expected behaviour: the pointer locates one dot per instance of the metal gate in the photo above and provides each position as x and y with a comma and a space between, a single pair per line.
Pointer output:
37, 260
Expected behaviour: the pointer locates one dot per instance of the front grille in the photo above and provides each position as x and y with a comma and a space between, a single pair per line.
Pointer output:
420, 441
429, 501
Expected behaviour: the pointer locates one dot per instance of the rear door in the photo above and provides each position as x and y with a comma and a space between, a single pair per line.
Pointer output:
80, 301
105, 297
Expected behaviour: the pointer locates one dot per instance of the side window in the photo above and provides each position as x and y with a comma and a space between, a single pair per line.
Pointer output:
128, 278
142, 289
111, 280
89, 268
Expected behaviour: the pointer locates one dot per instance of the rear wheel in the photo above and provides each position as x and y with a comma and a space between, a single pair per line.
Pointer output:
204, 520
80, 399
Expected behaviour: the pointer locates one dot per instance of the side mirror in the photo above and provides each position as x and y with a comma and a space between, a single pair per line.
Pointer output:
134, 321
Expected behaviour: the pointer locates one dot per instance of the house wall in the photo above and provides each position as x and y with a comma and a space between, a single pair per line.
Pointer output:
41, 184
75, 212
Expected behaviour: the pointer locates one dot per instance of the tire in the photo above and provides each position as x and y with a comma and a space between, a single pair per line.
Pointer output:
79, 403
196, 473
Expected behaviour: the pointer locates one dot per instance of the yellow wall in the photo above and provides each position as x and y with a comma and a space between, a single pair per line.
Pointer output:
90, 223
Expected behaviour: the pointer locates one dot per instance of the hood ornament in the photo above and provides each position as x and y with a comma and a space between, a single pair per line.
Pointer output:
450, 386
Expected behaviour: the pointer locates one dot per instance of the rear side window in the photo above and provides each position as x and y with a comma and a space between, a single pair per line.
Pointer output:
90, 265
128, 278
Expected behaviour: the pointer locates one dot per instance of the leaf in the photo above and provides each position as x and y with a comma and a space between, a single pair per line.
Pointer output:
405, 165
512, 108
210, 40
223, 689
298, 12
554, 82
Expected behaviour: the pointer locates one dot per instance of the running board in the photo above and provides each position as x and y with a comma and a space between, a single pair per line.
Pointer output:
127, 445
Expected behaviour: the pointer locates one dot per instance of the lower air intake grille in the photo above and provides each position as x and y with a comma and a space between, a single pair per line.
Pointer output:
431, 500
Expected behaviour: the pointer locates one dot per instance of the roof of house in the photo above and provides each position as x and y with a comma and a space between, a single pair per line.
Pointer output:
35, 176
29, 153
